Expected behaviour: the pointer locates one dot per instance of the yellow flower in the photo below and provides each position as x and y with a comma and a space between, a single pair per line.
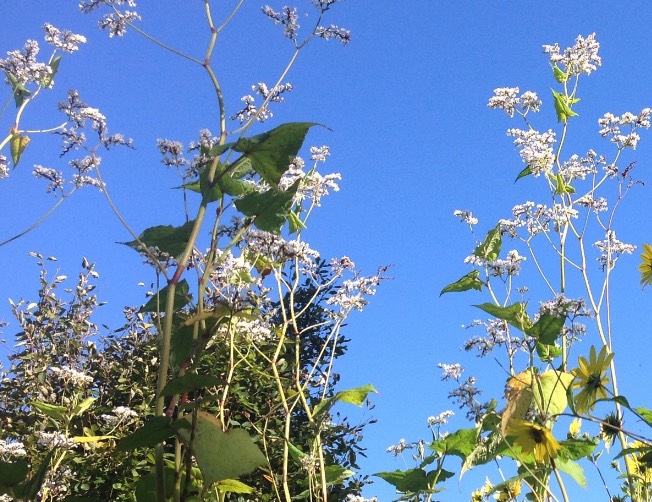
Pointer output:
640, 469
509, 491
645, 268
590, 377
533, 438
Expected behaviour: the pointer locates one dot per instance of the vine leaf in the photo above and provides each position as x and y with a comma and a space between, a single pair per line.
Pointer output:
221, 455
270, 209
490, 248
167, 238
469, 281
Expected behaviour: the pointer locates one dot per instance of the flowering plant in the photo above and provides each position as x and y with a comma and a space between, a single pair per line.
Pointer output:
223, 385
549, 380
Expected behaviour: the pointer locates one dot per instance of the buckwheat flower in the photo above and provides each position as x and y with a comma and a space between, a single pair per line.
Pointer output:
612, 249
276, 94
451, 371
287, 18
71, 375
278, 250
314, 186
529, 100
86, 164
4, 169
440, 419
23, 64
63, 39
319, 154
339, 265
323, 5
10, 449
400, 447
466, 217
53, 176
172, 152
506, 99
50, 440
124, 413
116, 23
352, 294
359, 498
510, 266
577, 167
334, 32
536, 149
580, 58
598, 204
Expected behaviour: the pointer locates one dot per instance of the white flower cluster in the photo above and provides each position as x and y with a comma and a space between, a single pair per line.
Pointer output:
577, 167
250, 110
466, 217
63, 39
536, 149
313, 185
357, 498
508, 100
510, 266
288, 18
610, 126
596, 204
116, 22
10, 449
440, 419
536, 218
451, 371
352, 294
580, 58
71, 375
612, 249
400, 447
23, 64
278, 250
50, 440
120, 414
334, 32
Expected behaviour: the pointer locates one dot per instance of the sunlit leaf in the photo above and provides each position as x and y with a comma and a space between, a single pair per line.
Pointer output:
573, 469
519, 395
233, 486
515, 314
547, 329
153, 432
562, 107
490, 248
272, 152
467, 282
460, 443
577, 448
355, 396
550, 391
83, 406
17, 146
525, 172
21, 93
47, 80
51, 410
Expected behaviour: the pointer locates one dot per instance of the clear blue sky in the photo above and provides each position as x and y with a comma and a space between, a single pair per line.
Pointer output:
413, 139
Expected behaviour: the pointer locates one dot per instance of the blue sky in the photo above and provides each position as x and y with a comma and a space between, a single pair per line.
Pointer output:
411, 134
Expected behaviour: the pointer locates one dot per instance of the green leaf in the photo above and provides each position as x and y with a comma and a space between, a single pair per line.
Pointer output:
47, 80
17, 145
13, 473
408, 481
335, 474
561, 187
645, 414
547, 329
484, 452
169, 239
573, 469
51, 410
562, 107
560, 76
490, 248
469, 281
272, 152
460, 443
20, 91
153, 432
550, 391
525, 172
295, 222
233, 486
515, 314
269, 209
146, 486
157, 302
548, 352
577, 448
83, 406
222, 455
355, 396
190, 382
